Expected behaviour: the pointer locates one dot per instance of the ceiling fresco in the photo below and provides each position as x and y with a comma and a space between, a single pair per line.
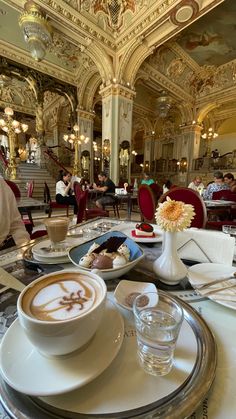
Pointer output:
212, 39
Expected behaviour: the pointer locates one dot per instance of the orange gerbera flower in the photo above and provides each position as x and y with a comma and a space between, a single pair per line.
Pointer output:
174, 215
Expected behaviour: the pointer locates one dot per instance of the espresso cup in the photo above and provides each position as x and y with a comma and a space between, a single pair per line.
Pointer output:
61, 312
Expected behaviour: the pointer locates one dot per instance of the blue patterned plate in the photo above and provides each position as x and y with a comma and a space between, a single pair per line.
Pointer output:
136, 254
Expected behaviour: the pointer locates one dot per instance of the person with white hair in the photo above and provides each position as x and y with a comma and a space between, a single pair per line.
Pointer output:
12, 228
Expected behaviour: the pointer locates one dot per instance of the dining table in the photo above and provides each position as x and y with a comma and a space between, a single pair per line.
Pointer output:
206, 392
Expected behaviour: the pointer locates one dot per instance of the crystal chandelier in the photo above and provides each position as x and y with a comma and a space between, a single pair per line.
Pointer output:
208, 136
36, 29
77, 140
163, 104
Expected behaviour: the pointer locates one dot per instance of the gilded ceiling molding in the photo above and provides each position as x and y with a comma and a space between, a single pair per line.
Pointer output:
81, 25
184, 12
205, 110
166, 83
83, 82
146, 24
142, 111
102, 60
128, 54
85, 114
220, 96
179, 52
15, 54
135, 61
93, 88
23, 109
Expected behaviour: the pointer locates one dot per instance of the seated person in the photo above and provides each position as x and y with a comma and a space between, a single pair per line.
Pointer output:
166, 187
230, 181
107, 187
217, 185
12, 229
196, 184
146, 179
64, 191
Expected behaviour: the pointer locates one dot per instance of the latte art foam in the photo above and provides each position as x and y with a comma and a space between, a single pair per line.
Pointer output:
60, 299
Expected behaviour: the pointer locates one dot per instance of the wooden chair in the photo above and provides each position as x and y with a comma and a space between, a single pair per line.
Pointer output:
189, 196
53, 204
25, 214
147, 203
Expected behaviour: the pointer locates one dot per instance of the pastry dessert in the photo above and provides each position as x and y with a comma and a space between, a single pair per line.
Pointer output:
144, 230
113, 253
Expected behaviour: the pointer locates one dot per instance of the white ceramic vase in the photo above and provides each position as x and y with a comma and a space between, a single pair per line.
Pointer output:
169, 267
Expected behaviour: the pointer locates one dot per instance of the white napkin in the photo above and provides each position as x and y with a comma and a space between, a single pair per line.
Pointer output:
201, 277
205, 246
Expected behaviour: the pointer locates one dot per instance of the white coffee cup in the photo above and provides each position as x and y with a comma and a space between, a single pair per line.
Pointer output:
61, 312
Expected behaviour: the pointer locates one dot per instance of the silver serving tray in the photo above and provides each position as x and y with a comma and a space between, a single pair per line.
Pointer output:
179, 404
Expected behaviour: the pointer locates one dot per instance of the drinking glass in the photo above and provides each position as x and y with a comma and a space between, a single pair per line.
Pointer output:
57, 229
226, 229
158, 319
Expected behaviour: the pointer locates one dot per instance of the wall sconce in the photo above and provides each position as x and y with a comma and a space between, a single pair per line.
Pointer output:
106, 150
182, 164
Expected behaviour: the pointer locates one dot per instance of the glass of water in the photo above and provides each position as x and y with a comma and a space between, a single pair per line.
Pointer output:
158, 319
226, 229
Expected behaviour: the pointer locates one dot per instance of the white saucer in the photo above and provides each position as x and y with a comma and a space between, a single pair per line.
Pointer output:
24, 369
39, 249
124, 288
63, 259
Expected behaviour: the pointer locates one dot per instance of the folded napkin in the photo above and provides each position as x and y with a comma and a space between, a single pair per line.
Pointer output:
205, 246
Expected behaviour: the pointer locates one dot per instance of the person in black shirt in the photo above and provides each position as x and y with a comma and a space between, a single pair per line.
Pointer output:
108, 189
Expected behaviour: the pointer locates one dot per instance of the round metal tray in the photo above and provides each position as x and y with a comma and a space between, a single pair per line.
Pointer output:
179, 404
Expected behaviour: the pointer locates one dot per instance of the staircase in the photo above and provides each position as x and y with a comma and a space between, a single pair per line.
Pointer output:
31, 171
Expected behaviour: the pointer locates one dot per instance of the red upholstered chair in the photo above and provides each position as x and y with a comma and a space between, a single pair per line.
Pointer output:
14, 188
37, 234
225, 194
83, 212
157, 189
147, 203
30, 189
222, 214
25, 214
189, 196
53, 204
217, 225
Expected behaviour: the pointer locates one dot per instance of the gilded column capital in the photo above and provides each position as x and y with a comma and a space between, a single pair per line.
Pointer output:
115, 89
191, 128
85, 114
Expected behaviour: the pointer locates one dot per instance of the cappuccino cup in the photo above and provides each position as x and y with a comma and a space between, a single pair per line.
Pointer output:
61, 312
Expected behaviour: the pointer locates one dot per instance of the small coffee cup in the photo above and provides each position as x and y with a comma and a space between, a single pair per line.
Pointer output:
61, 312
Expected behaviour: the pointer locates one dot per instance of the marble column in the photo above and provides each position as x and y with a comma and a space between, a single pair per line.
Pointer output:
189, 144
85, 122
117, 109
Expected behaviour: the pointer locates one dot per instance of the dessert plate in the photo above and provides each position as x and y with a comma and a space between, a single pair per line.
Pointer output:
124, 289
207, 272
24, 369
157, 239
